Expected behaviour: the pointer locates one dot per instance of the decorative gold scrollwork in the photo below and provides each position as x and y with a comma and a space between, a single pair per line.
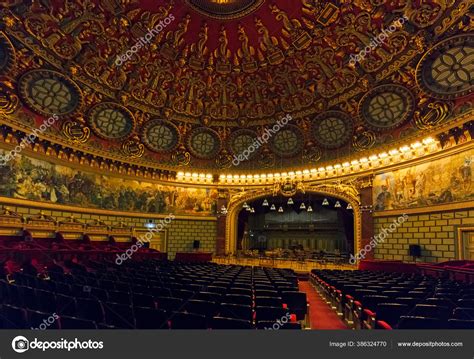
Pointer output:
76, 131
9, 102
181, 157
133, 148
435, 113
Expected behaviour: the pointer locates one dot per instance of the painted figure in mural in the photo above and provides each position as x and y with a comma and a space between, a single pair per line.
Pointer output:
31, 179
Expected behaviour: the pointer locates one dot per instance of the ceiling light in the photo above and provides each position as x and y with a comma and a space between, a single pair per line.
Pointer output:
252, 210
337, 205
303, 206
428, 140
248, 209
325, 202
273, 208
280, 209
310, 209
265, 203
290, 201
245, 205
349, 206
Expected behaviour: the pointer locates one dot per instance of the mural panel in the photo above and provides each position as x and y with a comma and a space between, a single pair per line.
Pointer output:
31, 179
442, 181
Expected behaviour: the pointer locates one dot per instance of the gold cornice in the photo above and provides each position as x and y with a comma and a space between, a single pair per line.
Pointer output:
96, 211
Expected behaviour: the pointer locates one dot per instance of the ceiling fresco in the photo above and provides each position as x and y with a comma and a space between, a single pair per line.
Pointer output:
194, 83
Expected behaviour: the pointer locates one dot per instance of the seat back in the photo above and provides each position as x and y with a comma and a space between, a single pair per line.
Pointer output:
416, 322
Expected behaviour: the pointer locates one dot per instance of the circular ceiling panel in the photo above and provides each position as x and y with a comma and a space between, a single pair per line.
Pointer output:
160, 135
204, 143
50, 93
242, 140
111, 121
225, 9
447, 70
332, 129
287, 142
386, 107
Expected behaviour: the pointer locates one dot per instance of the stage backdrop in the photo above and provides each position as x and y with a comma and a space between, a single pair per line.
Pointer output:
37, 180
445, 180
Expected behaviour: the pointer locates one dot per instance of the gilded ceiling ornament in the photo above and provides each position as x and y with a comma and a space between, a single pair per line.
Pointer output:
160, 135
288, 141
62, 32
199, 50
155, 80
432, 115
50, 93
363, 140
257, 104
111, 121
246, 52
223, 54
204, 143
269, 44
224, 160
425, 14
133, 148
332, 129
181, 157
312, 154
175, 39
446, 71
189, 91
295, 96
76, 131
386, 107
9, 101
243, 140
330, 80
222, 106
292, 29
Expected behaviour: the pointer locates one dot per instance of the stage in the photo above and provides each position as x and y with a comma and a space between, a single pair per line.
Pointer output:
297, 265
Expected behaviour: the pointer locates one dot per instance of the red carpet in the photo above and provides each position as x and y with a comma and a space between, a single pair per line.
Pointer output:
320, 314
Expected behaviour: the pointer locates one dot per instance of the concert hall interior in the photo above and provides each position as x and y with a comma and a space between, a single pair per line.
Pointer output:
236, 164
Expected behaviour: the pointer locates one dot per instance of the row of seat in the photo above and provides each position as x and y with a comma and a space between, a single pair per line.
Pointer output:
203, 296
380, 300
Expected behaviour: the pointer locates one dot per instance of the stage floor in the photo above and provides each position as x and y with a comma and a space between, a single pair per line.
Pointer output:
298, 266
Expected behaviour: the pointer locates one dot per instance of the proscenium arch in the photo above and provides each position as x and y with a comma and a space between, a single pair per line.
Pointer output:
236, 206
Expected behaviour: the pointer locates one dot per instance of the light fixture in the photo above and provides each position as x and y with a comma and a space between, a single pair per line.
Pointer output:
265, 203
310, 209
273, 208
248, 208
280, 209
325, 202
349, 206
245, 205
252, 210
337, 205
303, 206
290, 201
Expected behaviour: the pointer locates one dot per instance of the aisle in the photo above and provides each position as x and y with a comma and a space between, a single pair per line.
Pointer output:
321, 315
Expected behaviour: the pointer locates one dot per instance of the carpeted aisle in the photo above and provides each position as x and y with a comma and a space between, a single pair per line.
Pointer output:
321, 315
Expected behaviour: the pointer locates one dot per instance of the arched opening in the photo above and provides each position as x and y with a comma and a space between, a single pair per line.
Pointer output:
352, 229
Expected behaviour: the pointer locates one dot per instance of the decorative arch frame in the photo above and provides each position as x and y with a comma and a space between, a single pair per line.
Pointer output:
235, 206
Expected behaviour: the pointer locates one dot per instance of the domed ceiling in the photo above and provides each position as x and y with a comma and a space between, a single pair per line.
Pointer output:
197, 83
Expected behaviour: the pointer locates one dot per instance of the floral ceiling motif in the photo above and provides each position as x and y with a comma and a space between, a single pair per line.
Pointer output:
193, 82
